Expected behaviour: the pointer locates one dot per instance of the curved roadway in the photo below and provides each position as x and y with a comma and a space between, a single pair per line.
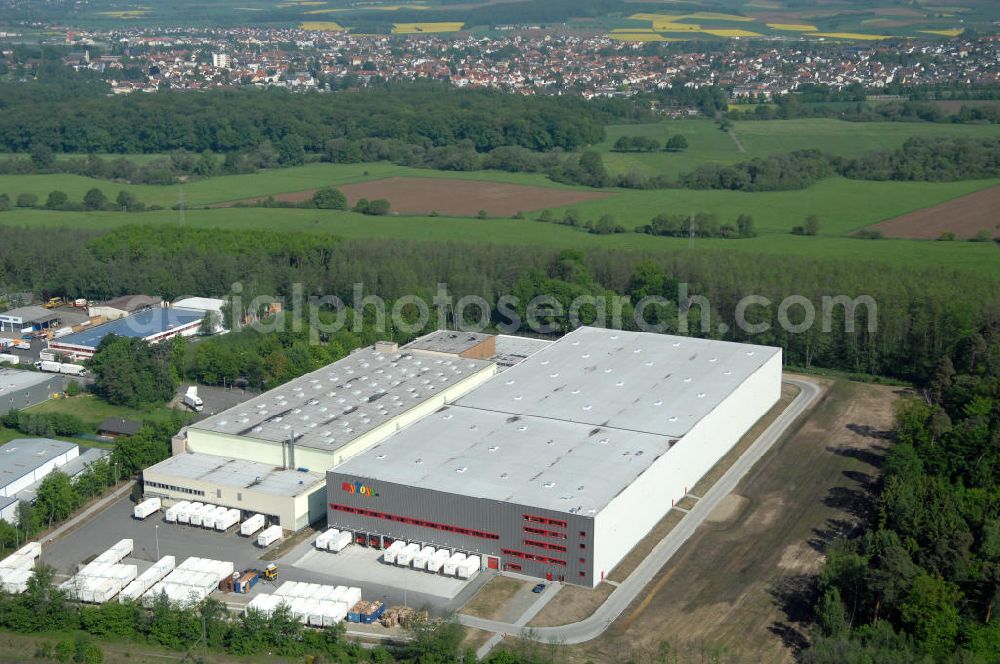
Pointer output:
592, 626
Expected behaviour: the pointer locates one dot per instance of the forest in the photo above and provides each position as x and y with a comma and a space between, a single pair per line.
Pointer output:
82, 119
921, 582
922, 312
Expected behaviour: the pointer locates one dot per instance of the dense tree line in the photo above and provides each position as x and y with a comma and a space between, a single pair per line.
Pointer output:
919, 159
813, 104
232, 120
921, 584
921, 311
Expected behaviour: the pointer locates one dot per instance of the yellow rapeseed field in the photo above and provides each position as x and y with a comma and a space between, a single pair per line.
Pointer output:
332, 26
421, 28
793, 27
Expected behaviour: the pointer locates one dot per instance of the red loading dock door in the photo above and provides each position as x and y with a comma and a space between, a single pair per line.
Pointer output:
375, 541
492, 562
361, 538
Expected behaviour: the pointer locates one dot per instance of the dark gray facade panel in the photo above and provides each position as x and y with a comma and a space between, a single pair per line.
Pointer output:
31, 396
447, 512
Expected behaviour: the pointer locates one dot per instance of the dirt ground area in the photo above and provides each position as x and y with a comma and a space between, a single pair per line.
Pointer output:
735, 588
965, 217
474, 638
463, 198
571, 604
492, 599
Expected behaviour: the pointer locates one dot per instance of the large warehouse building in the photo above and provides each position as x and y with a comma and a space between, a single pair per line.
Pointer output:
23, 389
561, 464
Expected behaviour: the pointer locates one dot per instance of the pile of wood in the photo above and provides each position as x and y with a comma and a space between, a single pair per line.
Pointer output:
402, 616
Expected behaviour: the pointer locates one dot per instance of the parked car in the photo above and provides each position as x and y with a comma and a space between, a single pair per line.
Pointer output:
539, 588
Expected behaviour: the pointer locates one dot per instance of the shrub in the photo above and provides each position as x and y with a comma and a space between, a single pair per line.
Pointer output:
26, 200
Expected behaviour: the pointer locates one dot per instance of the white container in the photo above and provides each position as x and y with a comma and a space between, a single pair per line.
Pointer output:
451, 566
184, 516
10, 359
389, 555
227, 520
340, 541
269, 536
252, 525
405, 555
438, 560
420, 558
323, 541
170, 514
145, 508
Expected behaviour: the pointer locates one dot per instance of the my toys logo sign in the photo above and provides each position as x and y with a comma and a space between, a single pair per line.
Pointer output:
358, 488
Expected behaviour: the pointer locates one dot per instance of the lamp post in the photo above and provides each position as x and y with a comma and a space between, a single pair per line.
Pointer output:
156, 532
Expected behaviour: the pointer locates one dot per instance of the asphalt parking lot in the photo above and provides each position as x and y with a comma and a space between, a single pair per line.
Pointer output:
359, 567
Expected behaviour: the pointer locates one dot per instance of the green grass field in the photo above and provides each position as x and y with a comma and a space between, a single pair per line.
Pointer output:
708, 144
92, 410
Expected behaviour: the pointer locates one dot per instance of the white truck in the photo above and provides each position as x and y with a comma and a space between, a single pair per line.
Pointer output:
52, 366
145, 508
192, 400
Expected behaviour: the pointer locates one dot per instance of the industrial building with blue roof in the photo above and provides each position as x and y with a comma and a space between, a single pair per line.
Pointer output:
153, 325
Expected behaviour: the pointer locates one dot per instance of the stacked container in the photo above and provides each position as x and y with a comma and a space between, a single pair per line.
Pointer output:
145, 508
191, 582
309, 603
147, 579
252, 525
16, 569
103, 578
340, 541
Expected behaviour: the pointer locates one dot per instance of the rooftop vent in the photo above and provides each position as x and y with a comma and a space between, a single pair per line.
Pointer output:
462, 469
549, 485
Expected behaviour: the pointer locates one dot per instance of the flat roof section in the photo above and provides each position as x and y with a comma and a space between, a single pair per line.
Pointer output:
330, 407
30, 314
649, 383
224, 471
448, 341
141, 325
24, 455
557, 465
15, 380
513, 350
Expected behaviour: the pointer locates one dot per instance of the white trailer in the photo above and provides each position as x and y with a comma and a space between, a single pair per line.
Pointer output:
420, 558
192, 400
437, 561
48, 366
469, 568
252, 525
323, 541
9, 359
405, 556
451, 566
269, 536
184, 516
73, 369
227, 520
340, 541
170, 515
145, 508
389, 555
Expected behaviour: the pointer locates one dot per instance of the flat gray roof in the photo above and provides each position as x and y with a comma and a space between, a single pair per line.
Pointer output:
561, 431
448, 341
71, 468
513, 350
24, 455
653, 383
30, 314
328, 408
15, 380
225, 471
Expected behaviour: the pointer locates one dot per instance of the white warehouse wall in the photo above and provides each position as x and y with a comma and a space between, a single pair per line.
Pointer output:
634, 512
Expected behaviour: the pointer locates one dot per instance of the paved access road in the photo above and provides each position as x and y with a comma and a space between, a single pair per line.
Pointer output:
591, 627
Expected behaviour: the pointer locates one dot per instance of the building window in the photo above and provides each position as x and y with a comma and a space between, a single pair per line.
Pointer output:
582, 545
533, 556
583, 561
583, 534
534, 518
175, 489
544, 533
544, 545
361, 511
218, 493
583, 574
239, 496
